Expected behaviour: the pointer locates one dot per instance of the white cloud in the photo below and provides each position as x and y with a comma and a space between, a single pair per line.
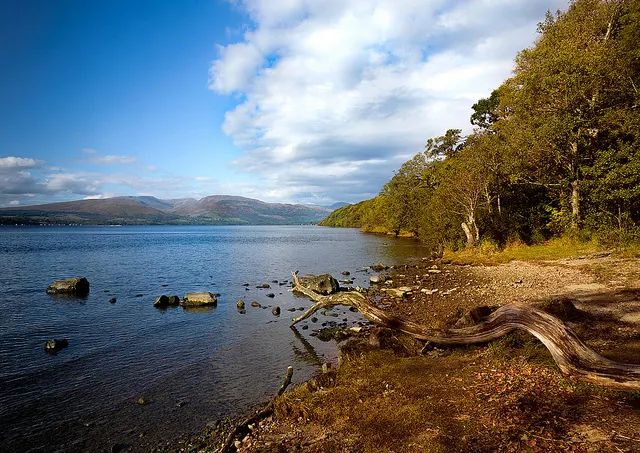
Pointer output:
18, 163
330, 92
113, 160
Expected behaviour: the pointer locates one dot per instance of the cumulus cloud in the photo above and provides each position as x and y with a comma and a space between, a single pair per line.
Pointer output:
18, 163
113, 160
334, 95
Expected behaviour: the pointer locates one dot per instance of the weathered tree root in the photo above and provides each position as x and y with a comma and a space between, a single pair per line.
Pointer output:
572, 356
242, 429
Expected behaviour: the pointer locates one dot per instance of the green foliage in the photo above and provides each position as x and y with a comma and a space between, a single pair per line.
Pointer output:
556, 148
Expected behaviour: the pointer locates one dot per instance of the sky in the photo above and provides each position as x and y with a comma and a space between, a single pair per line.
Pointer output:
295, 101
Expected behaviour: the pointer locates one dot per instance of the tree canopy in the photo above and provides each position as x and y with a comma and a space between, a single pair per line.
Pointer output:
555, 148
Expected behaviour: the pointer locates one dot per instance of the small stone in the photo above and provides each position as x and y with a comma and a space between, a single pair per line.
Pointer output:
271, 295
346, 273
276, 311
174, 301
55, 346
139, 295
161, 301
305, 327
265, 286
314, 319
376, 279
240, 304
113, 300
142, 401
255, 304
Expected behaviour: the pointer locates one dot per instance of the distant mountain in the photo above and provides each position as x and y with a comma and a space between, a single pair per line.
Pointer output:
337, 205
213, 210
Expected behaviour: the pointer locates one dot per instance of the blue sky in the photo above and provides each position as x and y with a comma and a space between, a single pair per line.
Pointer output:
311, 101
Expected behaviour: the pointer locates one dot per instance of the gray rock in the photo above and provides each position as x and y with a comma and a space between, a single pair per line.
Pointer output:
78, 286
323, 284
161, 301
198, 299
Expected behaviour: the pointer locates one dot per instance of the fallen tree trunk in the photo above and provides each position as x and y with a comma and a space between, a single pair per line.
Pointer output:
242, 429
572, 356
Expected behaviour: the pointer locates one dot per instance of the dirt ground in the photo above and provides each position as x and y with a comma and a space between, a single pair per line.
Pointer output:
508, 396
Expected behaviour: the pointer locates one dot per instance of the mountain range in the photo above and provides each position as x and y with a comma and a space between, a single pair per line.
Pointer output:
146, 210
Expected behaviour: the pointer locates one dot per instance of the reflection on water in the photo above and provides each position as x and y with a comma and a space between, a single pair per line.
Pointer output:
193, 365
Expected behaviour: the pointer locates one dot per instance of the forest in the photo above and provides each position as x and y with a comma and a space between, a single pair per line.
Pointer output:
555, 149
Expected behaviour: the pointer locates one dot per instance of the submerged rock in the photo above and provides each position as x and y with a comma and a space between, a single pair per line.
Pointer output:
198, 299
55, 346
113, 300
276, 311
174, 301
323, 284
78, 286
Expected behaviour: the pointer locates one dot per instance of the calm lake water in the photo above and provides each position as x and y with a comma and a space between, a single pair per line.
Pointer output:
192, 366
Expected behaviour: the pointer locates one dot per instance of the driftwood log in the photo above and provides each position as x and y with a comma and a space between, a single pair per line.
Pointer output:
242, 429
572, 356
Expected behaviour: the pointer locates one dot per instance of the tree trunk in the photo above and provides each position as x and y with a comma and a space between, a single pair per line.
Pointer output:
575, 205
471, 230
572, 356
575, 191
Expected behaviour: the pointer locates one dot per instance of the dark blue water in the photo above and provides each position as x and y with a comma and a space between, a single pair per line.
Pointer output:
192, 366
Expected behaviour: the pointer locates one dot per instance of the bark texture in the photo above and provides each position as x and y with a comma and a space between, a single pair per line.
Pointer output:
572, 356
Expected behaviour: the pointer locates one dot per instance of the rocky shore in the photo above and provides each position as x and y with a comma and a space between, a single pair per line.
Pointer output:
505, 396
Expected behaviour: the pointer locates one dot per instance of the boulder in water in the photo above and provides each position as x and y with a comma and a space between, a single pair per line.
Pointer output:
323, 284
78, 286
161, 301
199, 299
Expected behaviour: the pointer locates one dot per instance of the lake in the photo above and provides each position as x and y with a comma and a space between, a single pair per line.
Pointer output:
192, 367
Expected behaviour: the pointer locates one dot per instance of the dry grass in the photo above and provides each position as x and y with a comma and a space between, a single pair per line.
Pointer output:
488, 255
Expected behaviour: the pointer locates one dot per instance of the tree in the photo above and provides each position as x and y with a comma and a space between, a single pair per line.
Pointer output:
485, 112
561, 89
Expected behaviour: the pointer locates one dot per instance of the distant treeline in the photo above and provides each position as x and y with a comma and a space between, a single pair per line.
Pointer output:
555, 149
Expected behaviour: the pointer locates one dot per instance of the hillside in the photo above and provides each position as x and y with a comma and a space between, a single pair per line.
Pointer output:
212, 210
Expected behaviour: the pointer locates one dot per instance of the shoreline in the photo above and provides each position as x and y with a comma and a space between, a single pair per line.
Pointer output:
586, 281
